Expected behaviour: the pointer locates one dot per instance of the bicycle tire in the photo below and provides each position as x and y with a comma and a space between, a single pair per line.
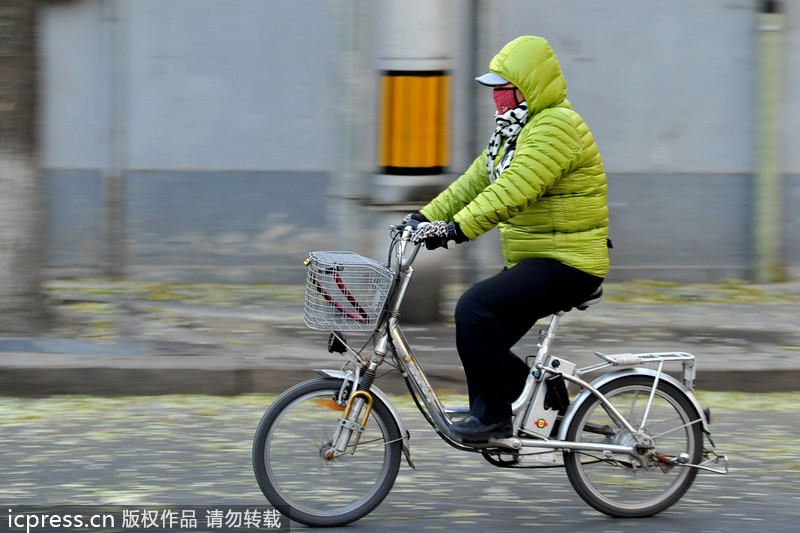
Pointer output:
628, 489
299, 481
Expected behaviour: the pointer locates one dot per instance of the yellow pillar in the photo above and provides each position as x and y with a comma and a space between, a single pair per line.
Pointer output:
415, 116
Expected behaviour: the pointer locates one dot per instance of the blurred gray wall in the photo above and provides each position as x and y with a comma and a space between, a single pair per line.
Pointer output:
196, 139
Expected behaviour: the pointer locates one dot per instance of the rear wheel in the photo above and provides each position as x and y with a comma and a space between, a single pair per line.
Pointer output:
291, 464
635, 485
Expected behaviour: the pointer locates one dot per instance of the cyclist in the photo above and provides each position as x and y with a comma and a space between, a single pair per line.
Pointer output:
541, 182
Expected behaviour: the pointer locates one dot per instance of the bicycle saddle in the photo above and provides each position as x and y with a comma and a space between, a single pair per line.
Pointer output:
594, 298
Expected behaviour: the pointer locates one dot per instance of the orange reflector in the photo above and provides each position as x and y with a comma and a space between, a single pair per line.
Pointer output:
330, 404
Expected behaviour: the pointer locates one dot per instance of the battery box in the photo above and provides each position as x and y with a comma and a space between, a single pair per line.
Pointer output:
539, 420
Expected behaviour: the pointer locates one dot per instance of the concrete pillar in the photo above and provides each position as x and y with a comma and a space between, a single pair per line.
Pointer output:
352, 79
414, 59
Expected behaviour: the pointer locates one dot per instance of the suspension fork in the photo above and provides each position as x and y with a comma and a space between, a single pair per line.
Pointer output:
348, 423
360, 399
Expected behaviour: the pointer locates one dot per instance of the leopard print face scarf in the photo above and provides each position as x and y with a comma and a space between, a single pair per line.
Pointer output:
509, 124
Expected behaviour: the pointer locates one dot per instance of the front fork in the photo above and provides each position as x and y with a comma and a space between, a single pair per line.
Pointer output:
348, 423
358, 401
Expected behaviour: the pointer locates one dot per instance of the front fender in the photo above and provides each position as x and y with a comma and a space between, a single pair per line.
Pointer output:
375, 391
607, 378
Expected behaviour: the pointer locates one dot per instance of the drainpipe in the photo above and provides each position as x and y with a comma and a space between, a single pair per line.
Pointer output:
767, 194
114, 16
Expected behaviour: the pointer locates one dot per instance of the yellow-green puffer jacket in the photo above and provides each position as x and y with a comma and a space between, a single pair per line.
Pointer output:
551, 200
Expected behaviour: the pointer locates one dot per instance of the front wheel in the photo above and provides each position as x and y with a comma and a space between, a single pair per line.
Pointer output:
635, 485
297, 474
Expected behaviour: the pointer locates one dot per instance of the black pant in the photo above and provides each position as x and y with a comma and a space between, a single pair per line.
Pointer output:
496, 313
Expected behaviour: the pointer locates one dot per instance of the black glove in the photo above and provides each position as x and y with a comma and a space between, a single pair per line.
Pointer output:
437, 233
413, 216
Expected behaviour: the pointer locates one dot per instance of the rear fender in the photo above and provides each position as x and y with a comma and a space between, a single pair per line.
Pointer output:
608, 378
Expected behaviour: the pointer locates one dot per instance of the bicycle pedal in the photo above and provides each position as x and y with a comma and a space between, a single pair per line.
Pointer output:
512, 443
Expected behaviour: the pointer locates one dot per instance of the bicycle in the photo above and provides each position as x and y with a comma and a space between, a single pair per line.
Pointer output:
327, 451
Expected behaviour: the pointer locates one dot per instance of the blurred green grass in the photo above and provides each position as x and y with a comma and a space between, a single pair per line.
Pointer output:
81, 292
22, 410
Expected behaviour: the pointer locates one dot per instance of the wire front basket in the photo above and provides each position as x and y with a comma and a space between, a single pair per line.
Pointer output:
345, 291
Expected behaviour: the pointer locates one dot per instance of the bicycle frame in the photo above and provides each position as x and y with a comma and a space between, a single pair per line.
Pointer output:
392, 338
631, 441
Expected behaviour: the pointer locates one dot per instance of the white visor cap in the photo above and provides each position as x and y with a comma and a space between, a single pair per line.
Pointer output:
490, 79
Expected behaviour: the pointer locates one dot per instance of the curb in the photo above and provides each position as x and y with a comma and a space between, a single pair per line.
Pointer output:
114, 381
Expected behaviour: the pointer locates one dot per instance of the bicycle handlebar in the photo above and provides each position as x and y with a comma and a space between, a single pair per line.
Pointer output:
407, 230
411, 226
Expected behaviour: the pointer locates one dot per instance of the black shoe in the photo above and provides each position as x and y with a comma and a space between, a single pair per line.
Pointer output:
471, 429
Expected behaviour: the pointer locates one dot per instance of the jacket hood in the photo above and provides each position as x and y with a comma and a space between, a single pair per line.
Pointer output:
530, 64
